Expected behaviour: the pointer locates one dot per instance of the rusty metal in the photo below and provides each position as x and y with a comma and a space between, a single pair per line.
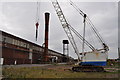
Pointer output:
45, 58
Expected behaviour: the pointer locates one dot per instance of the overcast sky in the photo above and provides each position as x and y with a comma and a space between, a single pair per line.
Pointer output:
19, 18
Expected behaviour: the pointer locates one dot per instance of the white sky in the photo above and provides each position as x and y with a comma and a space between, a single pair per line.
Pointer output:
18, 18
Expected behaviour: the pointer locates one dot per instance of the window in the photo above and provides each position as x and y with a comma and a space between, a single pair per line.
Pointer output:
0, 37
33, 47
24, 45
21, 43
9, 40
3, 39
48, 52
39, 49
15, 42
27, 45
18, 42
30, 46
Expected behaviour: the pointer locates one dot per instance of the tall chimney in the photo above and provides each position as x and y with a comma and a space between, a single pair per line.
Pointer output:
46, 36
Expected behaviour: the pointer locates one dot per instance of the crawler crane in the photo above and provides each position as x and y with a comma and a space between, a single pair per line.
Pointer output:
93, 60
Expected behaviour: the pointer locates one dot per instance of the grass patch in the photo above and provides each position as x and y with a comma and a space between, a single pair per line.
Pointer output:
42, 72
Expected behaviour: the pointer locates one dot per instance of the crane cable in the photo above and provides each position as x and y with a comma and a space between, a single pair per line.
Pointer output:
37, 19
80, 37
89, 22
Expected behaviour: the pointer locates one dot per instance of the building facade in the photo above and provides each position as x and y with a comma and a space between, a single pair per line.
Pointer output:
15, 50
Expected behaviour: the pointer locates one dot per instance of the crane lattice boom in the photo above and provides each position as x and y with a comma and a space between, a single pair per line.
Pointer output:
65, 25
68, 28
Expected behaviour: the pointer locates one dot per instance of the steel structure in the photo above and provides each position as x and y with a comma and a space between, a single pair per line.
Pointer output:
65, 25
87, 20
93, 60
68, 28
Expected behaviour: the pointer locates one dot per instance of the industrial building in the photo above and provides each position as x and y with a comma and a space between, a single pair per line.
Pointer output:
15, 50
